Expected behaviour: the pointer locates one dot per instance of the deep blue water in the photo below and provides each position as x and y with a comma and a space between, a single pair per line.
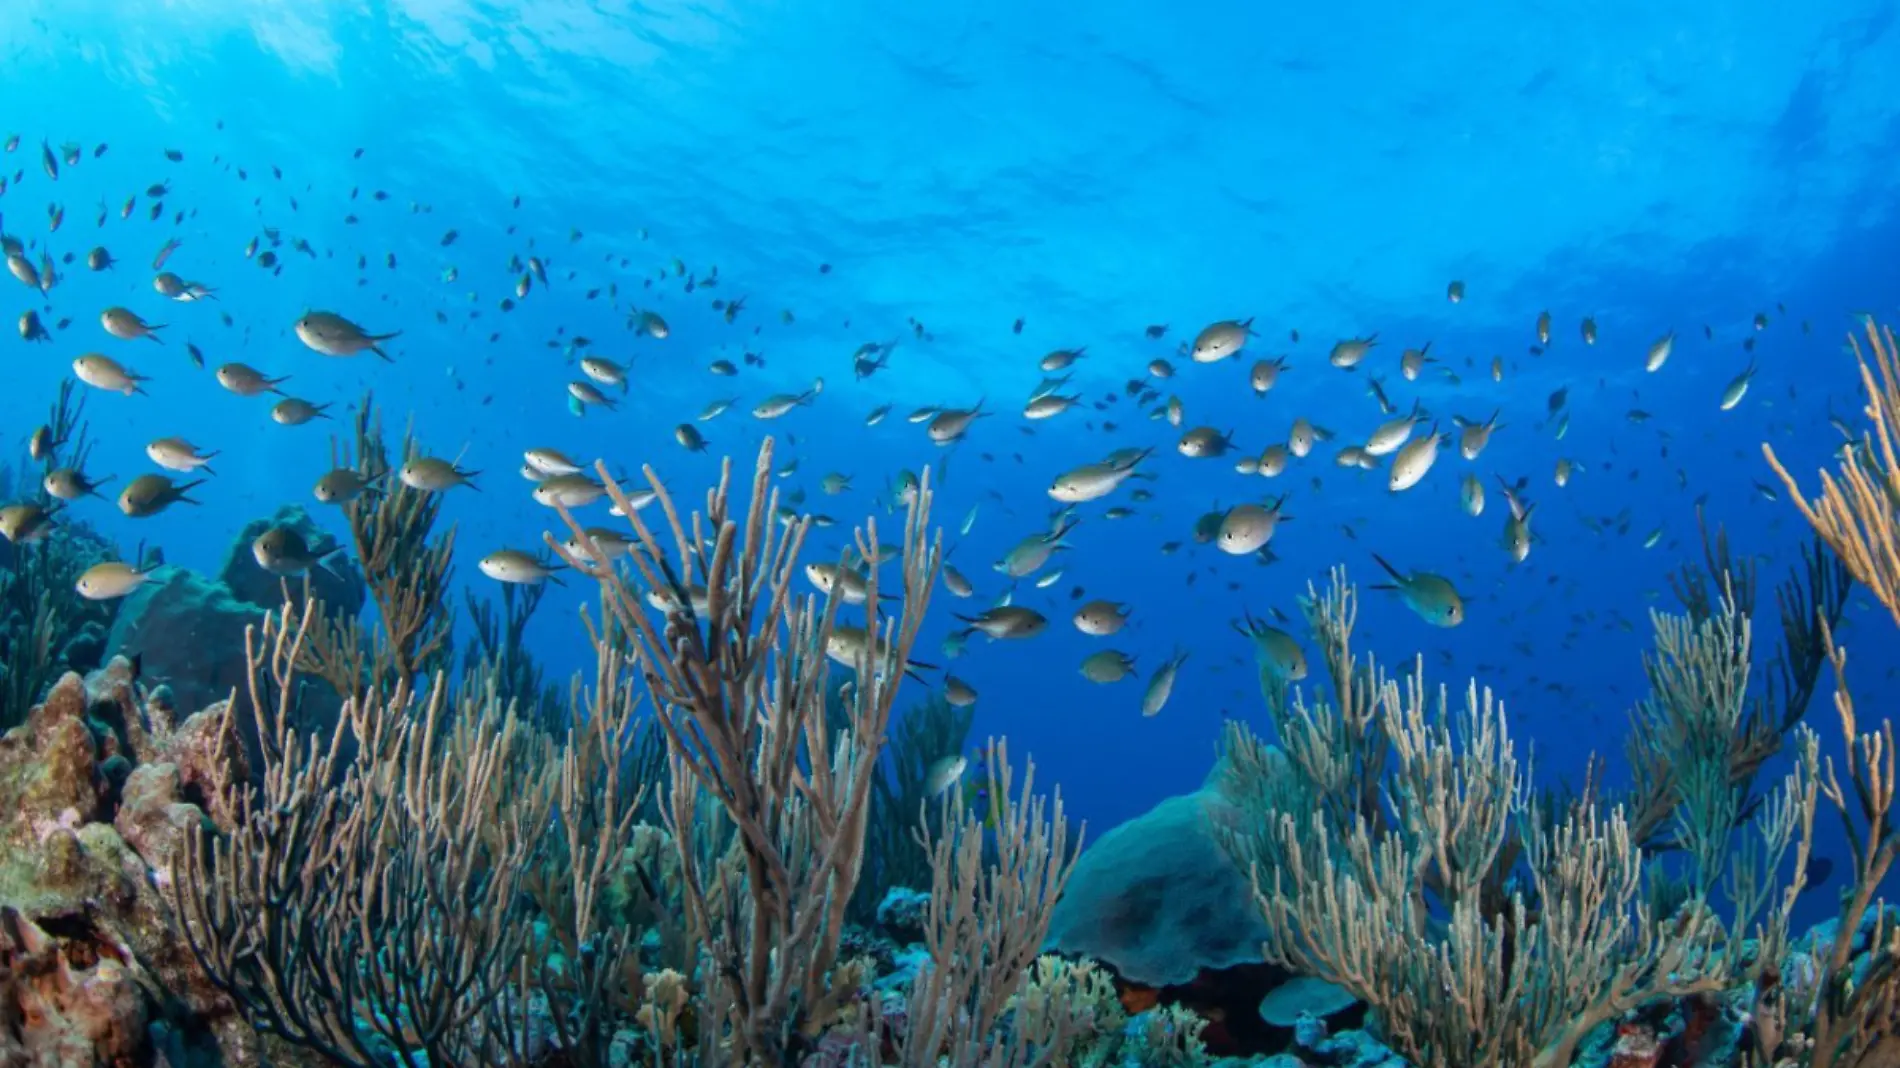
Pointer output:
1088, 170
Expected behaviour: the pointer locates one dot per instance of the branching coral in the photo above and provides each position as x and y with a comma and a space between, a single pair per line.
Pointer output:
1698, 678
587, 968
1069, 1010
1841, 1009
434, 880
40, 614
1838, 1010
497, 653
1855, 512
391, 526
370, 894
1402, 901
1810, 598
29, 636
1408, 907
895, 855
987, 921
737, 676
43, 621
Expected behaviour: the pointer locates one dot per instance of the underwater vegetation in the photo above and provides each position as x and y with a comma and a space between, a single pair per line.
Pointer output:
673, 770
46, 626
437, 870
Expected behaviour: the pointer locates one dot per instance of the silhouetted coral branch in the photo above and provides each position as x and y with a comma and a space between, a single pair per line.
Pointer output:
496, 653
407, 574
894, 855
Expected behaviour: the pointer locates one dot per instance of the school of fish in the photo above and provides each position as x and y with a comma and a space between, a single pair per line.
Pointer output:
119, 349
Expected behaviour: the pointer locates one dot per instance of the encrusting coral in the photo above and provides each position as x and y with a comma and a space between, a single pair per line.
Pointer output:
99, 789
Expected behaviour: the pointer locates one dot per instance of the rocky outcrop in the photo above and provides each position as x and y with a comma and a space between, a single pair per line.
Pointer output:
341, 590
187, 633
1158, 899
96, 800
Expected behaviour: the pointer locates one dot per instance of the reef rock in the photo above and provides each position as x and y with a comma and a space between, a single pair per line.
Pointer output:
50, 776
94, 790
1158, 899
187, 632
66, 1012
340, 590
903, 914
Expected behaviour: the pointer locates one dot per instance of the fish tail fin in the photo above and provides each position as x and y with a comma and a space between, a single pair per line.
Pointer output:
468, 479
324, 561
378, 350
1389, 569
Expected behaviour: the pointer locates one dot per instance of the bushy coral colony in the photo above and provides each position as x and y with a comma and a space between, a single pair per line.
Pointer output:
322, 840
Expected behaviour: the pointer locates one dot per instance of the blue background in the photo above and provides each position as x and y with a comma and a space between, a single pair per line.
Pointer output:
1090, 169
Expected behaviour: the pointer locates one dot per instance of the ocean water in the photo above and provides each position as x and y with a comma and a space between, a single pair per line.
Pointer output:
937, 174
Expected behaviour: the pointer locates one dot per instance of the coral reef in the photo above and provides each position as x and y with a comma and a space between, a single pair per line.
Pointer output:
97, 793
465, 869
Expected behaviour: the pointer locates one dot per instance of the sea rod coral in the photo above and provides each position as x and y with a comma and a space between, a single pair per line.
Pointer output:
1398, 850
